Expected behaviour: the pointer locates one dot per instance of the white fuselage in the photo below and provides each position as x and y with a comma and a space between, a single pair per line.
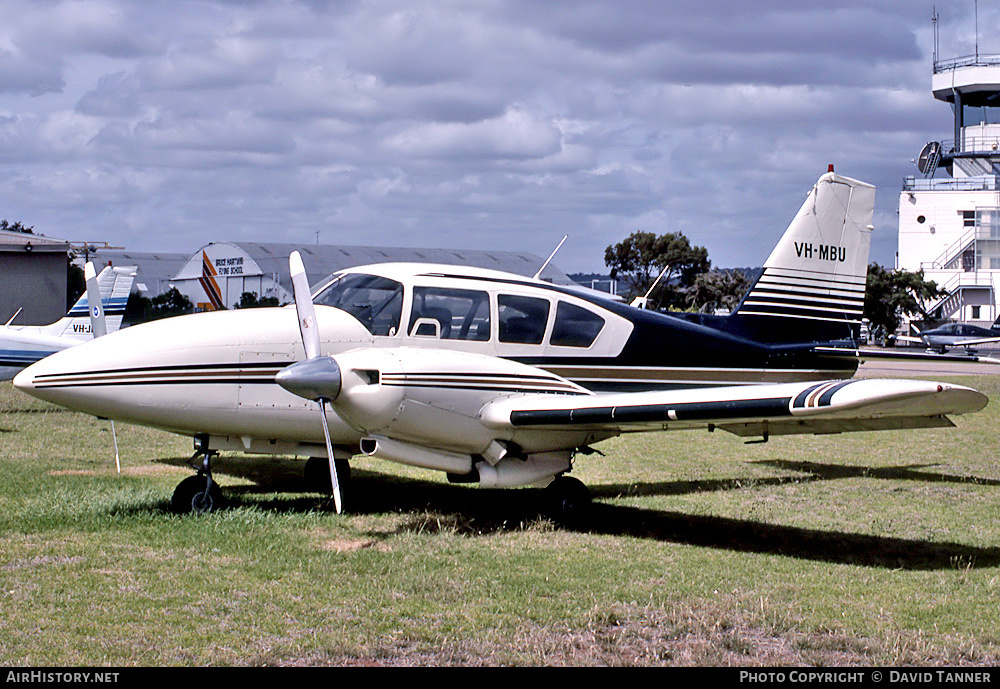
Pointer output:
21, 347
191, 375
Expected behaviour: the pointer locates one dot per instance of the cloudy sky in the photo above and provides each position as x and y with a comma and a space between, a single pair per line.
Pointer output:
161, 125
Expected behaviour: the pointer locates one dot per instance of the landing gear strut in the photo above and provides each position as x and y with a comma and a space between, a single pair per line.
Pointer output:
198, 494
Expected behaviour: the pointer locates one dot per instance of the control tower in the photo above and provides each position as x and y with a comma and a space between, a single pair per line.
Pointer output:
949, 214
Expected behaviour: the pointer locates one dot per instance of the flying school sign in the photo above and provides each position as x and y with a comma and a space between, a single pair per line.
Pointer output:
221, 271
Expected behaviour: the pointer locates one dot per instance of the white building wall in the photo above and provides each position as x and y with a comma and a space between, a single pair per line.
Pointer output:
936, 227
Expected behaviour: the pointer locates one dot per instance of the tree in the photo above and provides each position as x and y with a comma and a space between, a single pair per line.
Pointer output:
249, 300
721, 289
138, 308
890, 295
76, 284
642, 256
16, 226
170, 303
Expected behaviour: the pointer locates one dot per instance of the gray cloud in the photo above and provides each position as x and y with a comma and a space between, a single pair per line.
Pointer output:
164, 125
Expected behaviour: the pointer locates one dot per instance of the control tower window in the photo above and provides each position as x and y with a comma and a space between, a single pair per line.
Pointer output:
973, 115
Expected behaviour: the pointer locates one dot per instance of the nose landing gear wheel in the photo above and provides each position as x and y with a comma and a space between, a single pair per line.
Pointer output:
197, 495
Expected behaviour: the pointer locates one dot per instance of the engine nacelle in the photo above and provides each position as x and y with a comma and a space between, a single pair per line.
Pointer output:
415, 455
430, 398
512, 471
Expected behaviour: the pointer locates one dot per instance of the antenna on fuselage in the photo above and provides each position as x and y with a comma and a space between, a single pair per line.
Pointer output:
546, 264
643, 302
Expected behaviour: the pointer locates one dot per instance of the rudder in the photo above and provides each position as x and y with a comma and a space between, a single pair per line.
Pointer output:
813, 285
114, 283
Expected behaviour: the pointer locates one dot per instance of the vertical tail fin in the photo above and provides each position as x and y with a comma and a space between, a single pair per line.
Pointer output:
813, 285
114, 285
98, 326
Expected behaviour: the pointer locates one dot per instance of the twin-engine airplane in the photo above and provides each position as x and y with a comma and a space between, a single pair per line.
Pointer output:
21, 346
499, 379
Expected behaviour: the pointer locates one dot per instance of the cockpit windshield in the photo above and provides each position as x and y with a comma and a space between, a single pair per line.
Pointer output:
377, 302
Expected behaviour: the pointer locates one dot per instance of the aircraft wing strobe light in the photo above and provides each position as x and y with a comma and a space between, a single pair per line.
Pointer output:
318, 377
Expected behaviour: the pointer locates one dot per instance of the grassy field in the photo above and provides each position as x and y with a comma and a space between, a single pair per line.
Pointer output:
863, 549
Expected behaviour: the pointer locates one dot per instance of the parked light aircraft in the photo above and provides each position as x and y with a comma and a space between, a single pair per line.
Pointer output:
954, 336
499, 379
21, 346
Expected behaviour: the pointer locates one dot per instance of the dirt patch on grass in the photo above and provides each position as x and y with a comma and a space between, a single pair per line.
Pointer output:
41, 561
345, 545
633, 637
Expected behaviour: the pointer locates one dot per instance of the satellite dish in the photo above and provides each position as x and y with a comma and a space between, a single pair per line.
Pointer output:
930, 156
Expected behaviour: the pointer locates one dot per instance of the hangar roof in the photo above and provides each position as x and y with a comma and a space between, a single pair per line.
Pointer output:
19, 241
157, 269
321, 260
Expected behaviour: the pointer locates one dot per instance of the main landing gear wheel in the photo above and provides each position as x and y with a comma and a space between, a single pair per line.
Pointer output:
567, 499
197, 495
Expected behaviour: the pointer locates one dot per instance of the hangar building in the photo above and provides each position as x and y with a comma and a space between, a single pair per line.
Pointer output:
219, 273
33, 271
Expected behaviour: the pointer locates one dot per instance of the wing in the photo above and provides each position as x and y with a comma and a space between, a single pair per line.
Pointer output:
900, 355
976, 341
758, 410
464, 404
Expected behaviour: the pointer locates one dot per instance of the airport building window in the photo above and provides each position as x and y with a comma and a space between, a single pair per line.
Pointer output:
376, 302
575, 326
450, 314
522, 319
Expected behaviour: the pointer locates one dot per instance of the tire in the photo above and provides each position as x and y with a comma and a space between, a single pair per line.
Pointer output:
191, 496
567, 499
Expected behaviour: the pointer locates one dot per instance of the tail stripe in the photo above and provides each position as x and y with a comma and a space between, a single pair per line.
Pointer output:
797, 294
111, 306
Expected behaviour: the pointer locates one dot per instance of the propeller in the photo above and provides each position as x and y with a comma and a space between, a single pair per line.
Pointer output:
317, 377
98, 327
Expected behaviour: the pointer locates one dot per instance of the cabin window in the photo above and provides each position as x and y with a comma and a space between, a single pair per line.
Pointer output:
522, 319
450, 314
575, 326
375, 301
